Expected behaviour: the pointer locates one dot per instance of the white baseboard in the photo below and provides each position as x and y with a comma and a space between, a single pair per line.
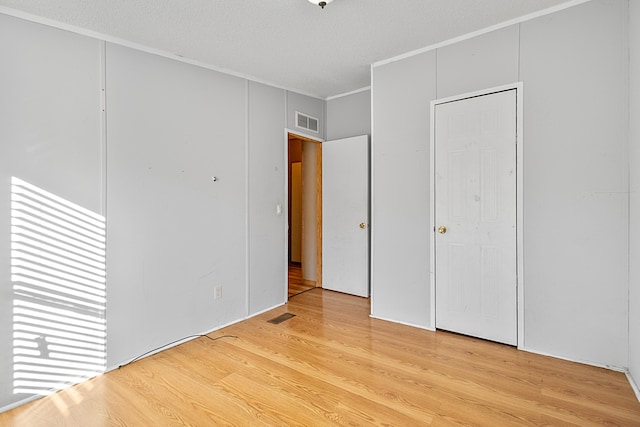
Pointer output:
633, 385
260, 312
631, 380
402, 323
194, 336
568, 359
20, 403
168, 346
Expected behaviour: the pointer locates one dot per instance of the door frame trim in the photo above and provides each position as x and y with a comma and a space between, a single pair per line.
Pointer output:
518, 86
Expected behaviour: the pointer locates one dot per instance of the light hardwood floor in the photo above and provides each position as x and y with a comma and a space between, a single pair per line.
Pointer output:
332, 364
296, 283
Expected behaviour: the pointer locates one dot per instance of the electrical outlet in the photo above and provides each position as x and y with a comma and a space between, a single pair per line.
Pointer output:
217, 292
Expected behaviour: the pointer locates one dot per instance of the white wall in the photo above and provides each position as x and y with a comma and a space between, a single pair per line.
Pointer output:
402, 92
574, 68
482, 62
574, 65
267, 169
307, 105
173, 234
634, 157
349, 115
49, 136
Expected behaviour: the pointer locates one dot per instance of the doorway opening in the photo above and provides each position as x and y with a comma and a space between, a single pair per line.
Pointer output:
304, 194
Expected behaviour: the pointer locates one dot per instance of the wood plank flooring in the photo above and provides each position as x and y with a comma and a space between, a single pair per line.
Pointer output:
332, 364
296, 283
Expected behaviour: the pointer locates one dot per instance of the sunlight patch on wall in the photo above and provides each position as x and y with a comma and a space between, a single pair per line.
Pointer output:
59, 289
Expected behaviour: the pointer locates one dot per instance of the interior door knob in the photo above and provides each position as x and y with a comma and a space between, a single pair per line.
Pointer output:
363, 225
442, 229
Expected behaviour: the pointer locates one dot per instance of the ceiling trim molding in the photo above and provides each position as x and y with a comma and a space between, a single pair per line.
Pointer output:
473, 34
132, 45
353, 92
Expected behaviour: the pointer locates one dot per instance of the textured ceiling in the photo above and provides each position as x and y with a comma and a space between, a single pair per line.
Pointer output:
288, 43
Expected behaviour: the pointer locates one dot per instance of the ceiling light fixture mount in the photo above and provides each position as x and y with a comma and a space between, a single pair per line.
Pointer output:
322, 4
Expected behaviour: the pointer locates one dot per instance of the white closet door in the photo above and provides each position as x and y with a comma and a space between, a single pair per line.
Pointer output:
475, 216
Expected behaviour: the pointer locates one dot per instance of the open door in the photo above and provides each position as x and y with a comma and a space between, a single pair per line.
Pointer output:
345, 215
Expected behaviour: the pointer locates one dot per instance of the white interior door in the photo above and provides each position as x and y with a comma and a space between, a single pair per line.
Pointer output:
475, 216
345, 215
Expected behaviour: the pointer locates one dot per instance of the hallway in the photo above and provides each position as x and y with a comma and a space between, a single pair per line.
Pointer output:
296, 283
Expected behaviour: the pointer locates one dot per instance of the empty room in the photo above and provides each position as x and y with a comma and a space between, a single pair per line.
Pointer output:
301, 212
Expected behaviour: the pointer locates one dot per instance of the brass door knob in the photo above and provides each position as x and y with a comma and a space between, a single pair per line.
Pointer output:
363, 225
442, 229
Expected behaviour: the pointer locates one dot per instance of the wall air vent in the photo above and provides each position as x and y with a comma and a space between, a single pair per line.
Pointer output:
306, 122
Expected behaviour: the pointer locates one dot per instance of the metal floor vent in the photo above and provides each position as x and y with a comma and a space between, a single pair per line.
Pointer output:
281, 318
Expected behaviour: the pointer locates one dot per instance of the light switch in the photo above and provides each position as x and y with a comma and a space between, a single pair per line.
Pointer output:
278, 209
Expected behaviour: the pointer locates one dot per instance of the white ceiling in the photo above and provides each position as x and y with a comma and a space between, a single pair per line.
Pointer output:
288, 43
